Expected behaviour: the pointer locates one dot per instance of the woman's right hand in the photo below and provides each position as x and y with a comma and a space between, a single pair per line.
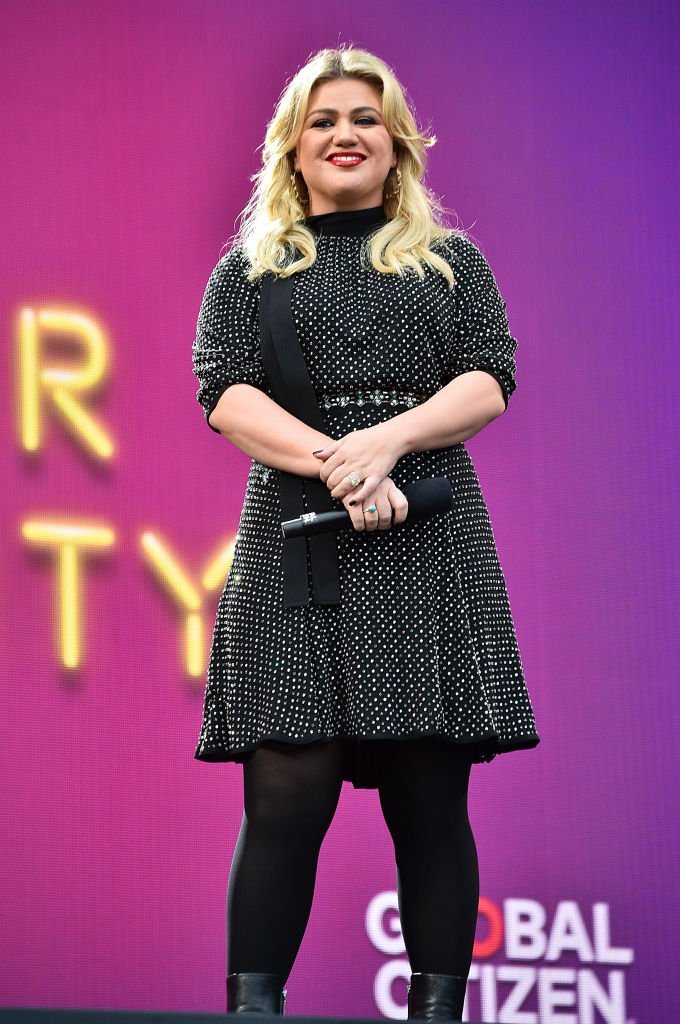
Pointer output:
390, 503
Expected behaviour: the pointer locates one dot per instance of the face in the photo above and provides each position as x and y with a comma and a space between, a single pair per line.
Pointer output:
344, 118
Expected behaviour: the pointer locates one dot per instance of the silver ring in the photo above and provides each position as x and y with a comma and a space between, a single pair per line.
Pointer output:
354, 479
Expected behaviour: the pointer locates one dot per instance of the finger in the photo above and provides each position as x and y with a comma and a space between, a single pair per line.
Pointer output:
366, 488
371, 517
399, 503
333, 472
383, 513
386, 514
377, 509
340, 485
339, 469
325, 453
356, 514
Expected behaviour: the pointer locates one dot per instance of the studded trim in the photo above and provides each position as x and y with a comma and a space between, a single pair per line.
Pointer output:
373, 397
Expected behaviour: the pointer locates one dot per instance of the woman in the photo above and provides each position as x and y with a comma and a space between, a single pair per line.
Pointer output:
384, 654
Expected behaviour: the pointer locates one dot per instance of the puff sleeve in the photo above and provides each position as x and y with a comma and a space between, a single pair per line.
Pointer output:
481, 337
226, 349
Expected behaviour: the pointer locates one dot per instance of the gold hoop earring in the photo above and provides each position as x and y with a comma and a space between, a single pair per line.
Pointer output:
396, 185
294, 187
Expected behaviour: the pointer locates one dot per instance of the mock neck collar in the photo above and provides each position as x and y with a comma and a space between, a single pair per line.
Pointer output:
347, 222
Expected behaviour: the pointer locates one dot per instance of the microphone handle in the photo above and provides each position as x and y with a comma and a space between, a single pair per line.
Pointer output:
312, 523
428, 497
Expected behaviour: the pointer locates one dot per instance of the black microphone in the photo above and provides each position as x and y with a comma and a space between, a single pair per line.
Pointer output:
428, 497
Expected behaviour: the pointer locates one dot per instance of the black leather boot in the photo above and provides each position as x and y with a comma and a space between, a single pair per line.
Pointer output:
436, 997
255, 993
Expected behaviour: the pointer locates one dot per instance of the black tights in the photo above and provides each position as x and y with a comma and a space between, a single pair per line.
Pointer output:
290, 797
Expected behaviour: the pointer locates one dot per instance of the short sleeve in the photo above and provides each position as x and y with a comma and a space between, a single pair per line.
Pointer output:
226, 349
482, 339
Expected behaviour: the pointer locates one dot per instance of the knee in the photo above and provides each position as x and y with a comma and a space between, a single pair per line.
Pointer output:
289, 822
415, 827
295, 814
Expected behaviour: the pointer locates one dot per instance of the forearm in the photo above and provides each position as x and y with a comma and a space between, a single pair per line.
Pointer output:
458, 411
263, 430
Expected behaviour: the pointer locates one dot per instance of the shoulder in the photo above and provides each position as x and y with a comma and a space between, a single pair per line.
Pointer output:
230, 274
471, 269
228, 294
232, 263
459, 250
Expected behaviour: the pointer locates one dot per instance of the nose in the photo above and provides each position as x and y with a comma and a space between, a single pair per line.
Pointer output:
345, 134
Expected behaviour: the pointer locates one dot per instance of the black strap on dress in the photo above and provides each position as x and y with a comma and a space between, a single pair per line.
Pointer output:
292, 389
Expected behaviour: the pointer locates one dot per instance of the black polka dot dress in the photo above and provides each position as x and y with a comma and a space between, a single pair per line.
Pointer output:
422, 642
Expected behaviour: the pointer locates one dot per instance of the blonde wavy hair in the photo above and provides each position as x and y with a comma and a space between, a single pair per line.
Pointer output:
271, 232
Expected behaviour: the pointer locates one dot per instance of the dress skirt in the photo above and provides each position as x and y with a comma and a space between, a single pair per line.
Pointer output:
422, 642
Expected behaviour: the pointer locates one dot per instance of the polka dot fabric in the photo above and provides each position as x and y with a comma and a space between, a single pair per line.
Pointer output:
423, 642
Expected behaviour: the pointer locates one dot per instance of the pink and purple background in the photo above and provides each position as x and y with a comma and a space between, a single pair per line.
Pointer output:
129, 132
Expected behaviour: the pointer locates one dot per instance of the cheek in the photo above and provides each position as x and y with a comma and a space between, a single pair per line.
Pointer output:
385, 147
310, 151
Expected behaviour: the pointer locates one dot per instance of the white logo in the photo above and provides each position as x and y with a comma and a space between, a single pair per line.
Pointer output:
530, 990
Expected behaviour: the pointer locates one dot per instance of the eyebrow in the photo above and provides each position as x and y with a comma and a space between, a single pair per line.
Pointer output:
329, 110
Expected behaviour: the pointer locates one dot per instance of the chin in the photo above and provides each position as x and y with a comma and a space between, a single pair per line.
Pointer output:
349, 193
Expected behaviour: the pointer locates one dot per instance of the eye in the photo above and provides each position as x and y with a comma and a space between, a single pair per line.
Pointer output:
321, 122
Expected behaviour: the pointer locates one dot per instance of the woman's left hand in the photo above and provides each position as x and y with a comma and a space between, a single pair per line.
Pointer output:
370, 453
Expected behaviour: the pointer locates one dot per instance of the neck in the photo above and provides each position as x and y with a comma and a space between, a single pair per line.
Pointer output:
347, 222
320, 211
